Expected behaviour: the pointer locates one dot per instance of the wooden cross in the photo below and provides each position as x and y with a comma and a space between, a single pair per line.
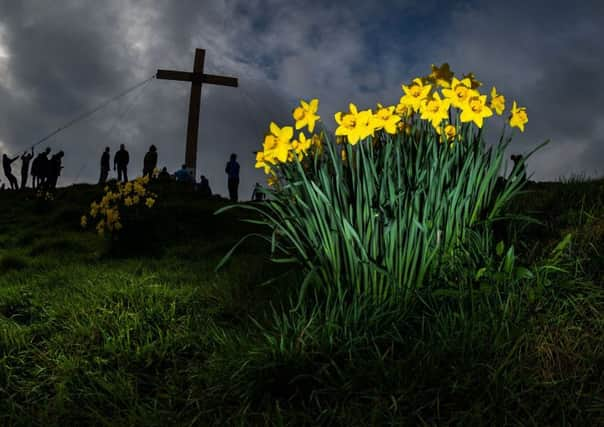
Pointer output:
197, 77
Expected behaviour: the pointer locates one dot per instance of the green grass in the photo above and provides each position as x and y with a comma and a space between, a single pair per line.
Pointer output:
91, 335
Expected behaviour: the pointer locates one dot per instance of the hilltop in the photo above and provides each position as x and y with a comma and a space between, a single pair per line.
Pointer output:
95, 333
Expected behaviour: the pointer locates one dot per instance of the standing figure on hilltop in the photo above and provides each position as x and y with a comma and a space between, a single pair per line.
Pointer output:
105, 165
150, 161
6, 165
35, 172
519, 163
54, 170
232, 170
257, 194
25, 159
183, 175
120, 162
39, 169
204, 187
164, 175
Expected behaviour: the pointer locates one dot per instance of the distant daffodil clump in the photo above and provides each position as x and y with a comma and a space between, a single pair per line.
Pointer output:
120, 201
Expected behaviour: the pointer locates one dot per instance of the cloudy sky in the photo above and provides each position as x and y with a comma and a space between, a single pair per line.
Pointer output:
58, 59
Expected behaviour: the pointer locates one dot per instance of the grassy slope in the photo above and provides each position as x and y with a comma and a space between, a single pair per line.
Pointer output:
88, 336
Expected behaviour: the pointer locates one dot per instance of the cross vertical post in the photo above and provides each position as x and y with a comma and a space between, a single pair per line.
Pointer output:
194, 109
197, 78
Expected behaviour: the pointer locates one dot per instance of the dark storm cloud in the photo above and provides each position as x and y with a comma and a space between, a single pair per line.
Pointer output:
59, 59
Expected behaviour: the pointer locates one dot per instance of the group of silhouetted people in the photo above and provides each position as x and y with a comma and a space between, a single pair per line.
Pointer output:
122, 158
120, 164
45, 170
203, 186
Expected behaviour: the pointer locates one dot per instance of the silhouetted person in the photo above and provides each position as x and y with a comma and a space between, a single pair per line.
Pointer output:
42, 167
519, 164
183, 175
54, 170
105, 165
36, 172
6, 165
257, 194
204, 187
150, 161
164, 175
120, 162
25, 159
232, 170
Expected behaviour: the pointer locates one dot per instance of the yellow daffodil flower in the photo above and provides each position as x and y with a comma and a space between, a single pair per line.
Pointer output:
441, 76
385, 119
272, 180
112, 216
305, 114
518, 117
403, 110
269, 144
305, 143
83, 221
475, 110
474, 84
403, 127
450, 133
150, 202
460, 92
346, 122
355, 125
414, 94
283, 144
497, 101
301, 145
435, 109
260, 163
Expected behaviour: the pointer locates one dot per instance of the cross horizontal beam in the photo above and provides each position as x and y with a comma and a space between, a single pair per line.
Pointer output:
220, 80
184, 76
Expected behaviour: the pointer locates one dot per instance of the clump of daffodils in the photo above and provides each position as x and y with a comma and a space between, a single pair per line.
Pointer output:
117, 202
434, 99
388, 207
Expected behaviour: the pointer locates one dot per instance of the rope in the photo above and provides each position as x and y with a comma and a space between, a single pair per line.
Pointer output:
123, 114
92, 111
